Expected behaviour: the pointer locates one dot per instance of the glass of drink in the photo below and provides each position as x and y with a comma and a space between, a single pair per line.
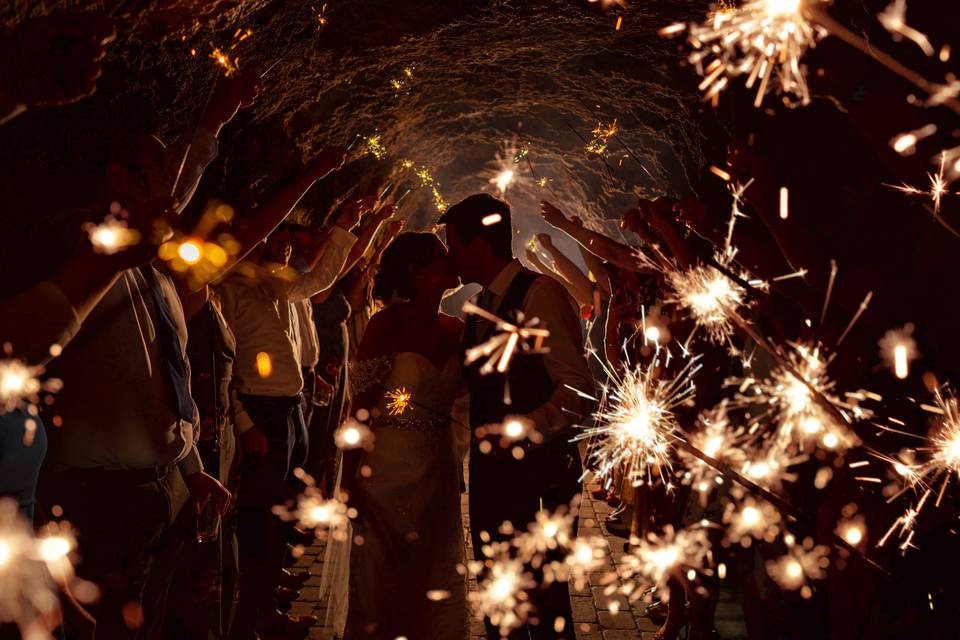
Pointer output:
208, 522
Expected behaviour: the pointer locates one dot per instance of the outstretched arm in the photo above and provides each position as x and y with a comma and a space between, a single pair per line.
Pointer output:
596, 243
580, 287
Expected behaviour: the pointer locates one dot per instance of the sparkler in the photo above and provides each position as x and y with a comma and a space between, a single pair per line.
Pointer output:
500, 594
801, 564
796, 397
502, 171
507, 339
718, 440
112, 235
29, 568
202, 259
656, 558
548, 531
899, 349
941, 466
751, 519
894, 20
375, 146
936, 190
635, 424
711, 298
585, 556
398, 401
353, 434
329, 518
601, 136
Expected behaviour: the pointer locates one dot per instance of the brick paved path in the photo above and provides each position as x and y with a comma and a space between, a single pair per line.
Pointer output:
591, 609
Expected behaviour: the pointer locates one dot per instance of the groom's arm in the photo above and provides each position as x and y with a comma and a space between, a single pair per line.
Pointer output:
565, 362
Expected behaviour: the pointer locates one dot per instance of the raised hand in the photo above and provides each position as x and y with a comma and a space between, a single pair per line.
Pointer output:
551, 214
329, 159
55, 59
233, 93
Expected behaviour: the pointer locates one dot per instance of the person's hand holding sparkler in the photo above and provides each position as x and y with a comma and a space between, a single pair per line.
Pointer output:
52, 60
234, 93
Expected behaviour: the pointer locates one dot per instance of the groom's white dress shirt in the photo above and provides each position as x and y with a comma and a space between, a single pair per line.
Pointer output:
566, 365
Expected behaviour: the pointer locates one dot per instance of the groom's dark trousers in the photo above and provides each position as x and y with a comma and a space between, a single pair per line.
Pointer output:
503, 488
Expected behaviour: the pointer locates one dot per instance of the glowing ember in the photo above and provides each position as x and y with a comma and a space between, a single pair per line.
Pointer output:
18, 383
906, 143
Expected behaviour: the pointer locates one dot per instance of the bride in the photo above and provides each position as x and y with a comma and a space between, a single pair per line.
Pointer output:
408, 537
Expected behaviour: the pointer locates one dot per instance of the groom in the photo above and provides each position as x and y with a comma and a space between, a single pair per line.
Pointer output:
502, 488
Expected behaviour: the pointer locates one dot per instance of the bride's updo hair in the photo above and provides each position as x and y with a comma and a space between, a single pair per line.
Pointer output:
394, 279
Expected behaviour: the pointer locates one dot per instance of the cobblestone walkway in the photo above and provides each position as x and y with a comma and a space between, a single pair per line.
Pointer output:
591, 608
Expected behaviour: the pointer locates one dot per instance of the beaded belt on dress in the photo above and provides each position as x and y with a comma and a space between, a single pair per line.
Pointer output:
412, 424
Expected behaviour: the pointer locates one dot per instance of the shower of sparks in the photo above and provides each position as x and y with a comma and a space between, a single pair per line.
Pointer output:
111, 236
402, 84
505, 341
634, 426
762, 39
717, 439
801, 565
711, 297
398, 401
769, 467
543, 182
353, 434
656, 558
30, 568
19, 384
936, 190
501, 588
906, 143
894, 20
329, 518
898, 349
375, 146
751, 519
793, 398
601, 136
932, 477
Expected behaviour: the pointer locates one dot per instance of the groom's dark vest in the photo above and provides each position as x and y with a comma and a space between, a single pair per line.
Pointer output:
501, 487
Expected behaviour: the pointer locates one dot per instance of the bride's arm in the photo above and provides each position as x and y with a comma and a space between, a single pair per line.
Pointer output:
374, 346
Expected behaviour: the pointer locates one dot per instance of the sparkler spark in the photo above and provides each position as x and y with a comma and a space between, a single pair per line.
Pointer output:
751, 519
508, 337
230, 65
601, 135
762, 39
502, 171
375, 146
899, 349
635, 422
906, 143
717, 439
894, 20
710, 297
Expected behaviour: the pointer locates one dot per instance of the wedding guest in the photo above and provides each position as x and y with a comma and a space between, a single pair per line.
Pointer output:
268, 385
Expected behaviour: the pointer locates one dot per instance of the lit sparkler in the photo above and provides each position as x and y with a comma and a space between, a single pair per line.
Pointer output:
931, 477
601, 136
398, 401
793, 397
501, 588
375, 146
503, 171
229, 65
716, 438
936, 190
549, 531
505, 341
329, 518
750, 519
635, 423
353, 434
764, 40
112, 235
801, 565
899, 349
29, 568
656, 558
202, 259
585, 556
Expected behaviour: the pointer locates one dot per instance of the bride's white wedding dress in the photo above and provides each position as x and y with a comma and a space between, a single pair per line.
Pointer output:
403, 576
